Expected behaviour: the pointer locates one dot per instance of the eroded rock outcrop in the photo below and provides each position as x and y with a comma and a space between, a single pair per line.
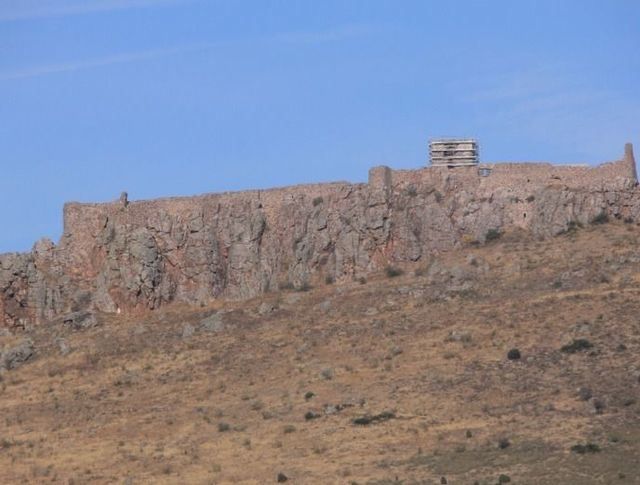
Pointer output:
134, 256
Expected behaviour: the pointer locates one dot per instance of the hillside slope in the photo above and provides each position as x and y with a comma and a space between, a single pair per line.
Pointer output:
402, 378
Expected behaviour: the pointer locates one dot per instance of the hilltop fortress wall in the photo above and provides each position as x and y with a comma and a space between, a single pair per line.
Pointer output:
132, 256
615, 175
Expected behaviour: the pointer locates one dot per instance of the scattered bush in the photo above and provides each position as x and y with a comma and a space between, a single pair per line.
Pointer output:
412, 191
504, 478
492, 235
286, 285
309, 415
577, 345
599, 406
513, 354
377, 418
222, 427
586, 448
572, 227
5, 444
329, 280
504, 443
362, 280
584, 393
281, 478
289, 428
327, 373
308, 395
601, 218
628, 220
317, 201
531, 198
392, 271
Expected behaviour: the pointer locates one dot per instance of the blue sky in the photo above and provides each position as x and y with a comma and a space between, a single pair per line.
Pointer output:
179, 97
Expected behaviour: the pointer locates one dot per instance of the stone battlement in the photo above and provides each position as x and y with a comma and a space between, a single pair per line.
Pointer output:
615, 175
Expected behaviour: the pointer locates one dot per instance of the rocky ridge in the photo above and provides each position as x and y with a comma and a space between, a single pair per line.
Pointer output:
135, 256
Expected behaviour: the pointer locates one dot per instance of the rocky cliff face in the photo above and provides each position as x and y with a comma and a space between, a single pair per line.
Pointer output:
134, 256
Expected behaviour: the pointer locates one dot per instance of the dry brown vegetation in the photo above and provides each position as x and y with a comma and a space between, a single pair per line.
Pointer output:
402, 379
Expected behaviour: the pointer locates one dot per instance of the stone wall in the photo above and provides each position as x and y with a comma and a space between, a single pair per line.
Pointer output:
616, 175
136, 256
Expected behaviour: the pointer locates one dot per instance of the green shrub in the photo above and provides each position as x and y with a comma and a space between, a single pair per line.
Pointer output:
572, 226
327, 373
577, 345
504, 443
392, 271
492, 235
586, 448
377, 418
601, 218
309, 415
513, 354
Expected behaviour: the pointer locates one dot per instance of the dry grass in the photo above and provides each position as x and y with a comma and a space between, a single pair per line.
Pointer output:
424, 356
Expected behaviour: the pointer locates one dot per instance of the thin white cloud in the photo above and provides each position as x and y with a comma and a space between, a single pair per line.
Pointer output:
336, 34
43, 70
12, 10
319, 37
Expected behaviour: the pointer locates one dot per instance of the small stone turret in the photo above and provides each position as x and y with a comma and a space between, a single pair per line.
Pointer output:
631, 161
380, 178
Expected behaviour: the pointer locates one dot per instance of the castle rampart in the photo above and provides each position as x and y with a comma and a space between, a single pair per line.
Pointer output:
136, 255
615, 175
